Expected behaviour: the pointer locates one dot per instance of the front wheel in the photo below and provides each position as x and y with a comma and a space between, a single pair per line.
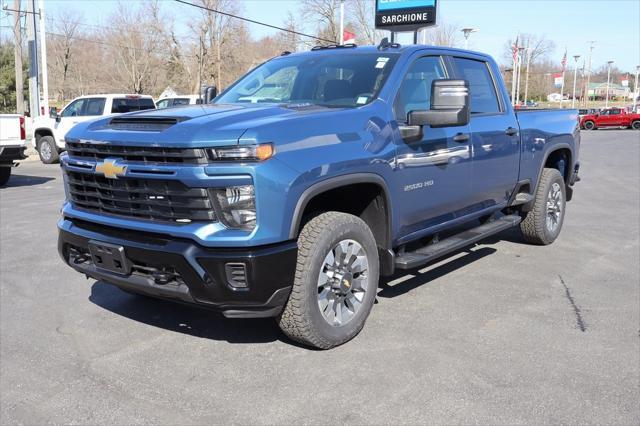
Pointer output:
48, 150
635, 125
543, 223
335, 283
589, 125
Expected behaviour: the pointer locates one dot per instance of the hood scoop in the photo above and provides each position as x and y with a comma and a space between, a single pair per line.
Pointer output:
144, 124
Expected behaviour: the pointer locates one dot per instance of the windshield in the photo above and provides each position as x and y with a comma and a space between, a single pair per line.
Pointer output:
332, 80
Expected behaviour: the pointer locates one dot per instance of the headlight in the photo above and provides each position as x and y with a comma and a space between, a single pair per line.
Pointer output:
236, 206
241, 153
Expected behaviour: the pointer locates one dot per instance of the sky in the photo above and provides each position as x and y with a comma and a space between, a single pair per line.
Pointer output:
613, 24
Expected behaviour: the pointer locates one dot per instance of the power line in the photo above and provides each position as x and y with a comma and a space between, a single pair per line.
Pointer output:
255, 22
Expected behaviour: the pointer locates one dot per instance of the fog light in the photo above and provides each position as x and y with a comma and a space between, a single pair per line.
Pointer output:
236, 275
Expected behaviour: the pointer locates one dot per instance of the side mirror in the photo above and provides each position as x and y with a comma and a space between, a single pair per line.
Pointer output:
58, 118
209, 94
53, 112
449, 105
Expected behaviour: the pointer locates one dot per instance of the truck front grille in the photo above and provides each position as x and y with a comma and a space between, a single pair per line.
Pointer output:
93, 151
161, 200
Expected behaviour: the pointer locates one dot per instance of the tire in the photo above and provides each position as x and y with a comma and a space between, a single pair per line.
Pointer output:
635, 125
47, 150
5, 174
589, 125
324, 275
543, 223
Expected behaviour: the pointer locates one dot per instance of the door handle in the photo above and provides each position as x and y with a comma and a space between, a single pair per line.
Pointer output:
511, 131
461, 137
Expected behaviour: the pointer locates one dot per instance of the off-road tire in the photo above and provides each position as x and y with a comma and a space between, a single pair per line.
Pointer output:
589, 125
533, 225
5, 174
635, 125
48, 150
301, 319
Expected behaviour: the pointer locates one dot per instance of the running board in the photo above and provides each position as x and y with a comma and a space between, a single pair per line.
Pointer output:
466, 238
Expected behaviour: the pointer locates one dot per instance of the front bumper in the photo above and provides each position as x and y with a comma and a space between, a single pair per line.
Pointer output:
198, 274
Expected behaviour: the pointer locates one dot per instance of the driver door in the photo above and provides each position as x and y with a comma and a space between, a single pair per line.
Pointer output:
433, 173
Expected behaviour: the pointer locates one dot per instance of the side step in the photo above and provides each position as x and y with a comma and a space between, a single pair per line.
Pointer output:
466, 238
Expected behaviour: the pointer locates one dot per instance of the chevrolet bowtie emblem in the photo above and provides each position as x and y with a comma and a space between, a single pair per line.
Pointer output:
110, 170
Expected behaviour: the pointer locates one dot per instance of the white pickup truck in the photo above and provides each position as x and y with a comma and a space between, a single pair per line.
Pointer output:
12, 144
48, 132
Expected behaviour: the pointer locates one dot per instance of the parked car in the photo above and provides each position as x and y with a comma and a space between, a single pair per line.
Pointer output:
48, 136
292, 206
531, 104
174, 101
12, 144
611, 117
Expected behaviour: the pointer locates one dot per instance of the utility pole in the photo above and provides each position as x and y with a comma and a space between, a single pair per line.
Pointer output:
34, 86
575, 79
591, 45
43, 60
514, 51
526, 79
636, 90
606, 103
17, 32
341, 22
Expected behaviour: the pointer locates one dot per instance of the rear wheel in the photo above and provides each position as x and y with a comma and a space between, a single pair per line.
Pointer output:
5, 174
589, 125
48, 150
635, 125
543, 223
335, 283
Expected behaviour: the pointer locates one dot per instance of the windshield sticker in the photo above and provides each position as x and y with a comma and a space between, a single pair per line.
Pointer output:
382, 59
381, 64
362, 100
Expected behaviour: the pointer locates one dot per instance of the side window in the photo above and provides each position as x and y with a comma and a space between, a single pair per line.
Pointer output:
616, 111
180, 101
74, 109
163, 103
482, 90
415, 92
95, 106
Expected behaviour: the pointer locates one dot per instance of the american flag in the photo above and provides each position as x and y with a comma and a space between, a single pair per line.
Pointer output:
564, 61
515, 50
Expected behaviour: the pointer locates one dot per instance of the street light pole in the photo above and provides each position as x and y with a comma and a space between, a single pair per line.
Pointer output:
467, 32
592, 42
575, 79
636, 90
606, 103
520, 50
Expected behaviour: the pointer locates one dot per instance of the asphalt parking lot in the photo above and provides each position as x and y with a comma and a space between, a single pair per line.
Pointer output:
504, 333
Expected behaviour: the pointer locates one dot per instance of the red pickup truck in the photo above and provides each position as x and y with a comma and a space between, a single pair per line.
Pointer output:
612, 117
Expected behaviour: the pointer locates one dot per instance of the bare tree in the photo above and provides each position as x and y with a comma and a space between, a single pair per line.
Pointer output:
324, 12
362, 12
63, 48
539, 46
444, 35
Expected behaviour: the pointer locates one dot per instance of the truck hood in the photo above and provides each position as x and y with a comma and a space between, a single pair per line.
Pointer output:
191, 126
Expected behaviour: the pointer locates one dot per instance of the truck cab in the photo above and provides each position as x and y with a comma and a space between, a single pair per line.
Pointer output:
48, 136
309, 178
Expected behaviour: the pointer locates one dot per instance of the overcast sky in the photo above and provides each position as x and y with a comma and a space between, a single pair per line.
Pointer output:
614, 24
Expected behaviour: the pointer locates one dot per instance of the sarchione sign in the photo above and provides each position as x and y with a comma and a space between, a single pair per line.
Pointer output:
405, 15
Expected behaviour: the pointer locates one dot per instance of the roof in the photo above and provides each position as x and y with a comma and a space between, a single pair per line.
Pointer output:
401, 49
611, 86
114, 95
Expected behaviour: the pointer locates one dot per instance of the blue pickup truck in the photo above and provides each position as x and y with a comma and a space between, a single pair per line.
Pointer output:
291, 192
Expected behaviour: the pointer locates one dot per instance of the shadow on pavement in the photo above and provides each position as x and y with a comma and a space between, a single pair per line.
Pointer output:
424, 278
185, 319
26, 180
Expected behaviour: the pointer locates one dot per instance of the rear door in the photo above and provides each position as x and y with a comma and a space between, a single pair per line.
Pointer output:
435, 171
494, 132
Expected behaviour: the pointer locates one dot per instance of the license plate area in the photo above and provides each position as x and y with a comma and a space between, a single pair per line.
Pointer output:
109, 257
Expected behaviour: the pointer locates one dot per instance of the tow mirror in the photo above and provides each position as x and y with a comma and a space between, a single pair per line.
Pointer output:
209, 94
449, 108
449, 105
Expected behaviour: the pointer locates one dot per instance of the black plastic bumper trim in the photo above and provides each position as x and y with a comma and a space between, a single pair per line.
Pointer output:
200, 270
